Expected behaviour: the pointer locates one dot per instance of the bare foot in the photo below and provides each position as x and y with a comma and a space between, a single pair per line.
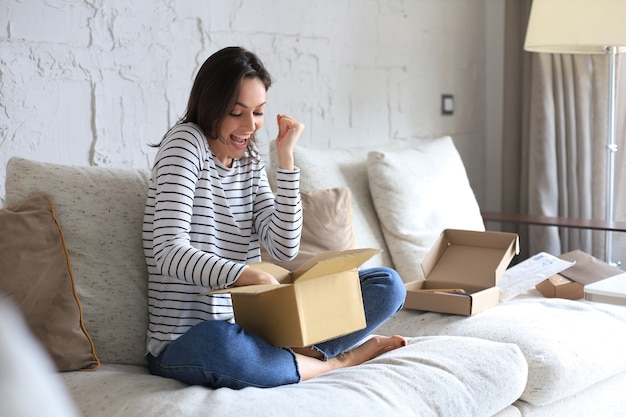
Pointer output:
371, 348
311, 367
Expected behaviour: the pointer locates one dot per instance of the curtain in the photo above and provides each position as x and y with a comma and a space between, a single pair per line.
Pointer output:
554, 142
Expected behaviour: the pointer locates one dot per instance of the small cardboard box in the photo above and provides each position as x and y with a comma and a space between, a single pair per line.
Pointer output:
318, 301
570, 283
557, 286
462, 270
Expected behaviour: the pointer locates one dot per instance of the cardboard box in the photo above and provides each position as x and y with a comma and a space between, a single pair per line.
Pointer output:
570, 283
557, 286
320, 300
466, 263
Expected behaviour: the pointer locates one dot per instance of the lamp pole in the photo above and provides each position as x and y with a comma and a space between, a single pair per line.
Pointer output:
610, 156
585, 27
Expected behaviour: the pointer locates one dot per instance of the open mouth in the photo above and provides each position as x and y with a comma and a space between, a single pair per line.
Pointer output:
240, 140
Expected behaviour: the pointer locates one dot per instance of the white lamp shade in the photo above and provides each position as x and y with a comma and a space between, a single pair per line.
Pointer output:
576, 26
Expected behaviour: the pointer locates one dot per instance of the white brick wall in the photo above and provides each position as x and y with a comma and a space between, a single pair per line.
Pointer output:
93, 82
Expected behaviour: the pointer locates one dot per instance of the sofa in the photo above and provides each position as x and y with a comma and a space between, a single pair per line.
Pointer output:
74, 276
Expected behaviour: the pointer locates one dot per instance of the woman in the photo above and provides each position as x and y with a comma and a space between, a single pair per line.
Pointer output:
209, 209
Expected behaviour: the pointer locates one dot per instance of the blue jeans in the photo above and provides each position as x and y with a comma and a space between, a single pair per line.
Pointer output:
221, 354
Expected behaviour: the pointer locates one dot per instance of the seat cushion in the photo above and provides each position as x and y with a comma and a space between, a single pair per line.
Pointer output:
432, 376
600, 399
569, 345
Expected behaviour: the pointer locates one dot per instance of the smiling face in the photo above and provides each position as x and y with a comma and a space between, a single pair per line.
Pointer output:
246, 117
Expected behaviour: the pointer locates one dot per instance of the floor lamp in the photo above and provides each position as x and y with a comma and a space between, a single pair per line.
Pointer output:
584, 27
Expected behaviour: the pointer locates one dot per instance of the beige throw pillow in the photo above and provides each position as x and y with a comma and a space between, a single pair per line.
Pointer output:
35, 273
326, 225
418, 193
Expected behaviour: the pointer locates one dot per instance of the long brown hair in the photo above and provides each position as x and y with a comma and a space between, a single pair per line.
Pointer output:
216, 88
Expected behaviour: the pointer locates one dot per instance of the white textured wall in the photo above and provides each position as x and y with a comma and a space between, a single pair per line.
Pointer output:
93, 82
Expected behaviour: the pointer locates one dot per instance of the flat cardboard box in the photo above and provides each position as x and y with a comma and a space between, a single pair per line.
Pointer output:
570, 283
610, 290
464, 260
320, 300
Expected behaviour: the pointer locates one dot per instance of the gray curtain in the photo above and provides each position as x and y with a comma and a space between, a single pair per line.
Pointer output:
554, 141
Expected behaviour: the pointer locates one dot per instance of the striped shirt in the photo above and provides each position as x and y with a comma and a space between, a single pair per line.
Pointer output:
202, 223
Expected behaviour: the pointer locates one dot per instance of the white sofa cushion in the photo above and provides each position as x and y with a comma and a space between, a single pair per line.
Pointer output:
417, 193
569, 345
330, 168
101, 213
347, 167
601, 399
432, 376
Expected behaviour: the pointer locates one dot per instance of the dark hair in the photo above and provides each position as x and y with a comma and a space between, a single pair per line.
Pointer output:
216, 88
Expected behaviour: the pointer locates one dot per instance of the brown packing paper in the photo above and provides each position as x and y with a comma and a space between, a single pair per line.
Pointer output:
570, 283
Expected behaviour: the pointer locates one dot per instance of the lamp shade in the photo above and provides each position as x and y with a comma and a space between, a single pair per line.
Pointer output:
576, 26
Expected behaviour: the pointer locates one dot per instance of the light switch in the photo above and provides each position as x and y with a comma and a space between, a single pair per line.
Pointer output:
447, 104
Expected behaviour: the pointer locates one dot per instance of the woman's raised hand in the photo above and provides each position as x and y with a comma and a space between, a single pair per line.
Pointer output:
289, 131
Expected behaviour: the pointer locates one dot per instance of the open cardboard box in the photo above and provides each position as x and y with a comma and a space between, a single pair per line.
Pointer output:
462, 270
320, 300
570, 283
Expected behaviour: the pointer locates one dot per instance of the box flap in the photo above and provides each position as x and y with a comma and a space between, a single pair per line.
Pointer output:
322, 264
493, 240
479, 258
247, 289
453, 303
587, 268
281, 274
327, 263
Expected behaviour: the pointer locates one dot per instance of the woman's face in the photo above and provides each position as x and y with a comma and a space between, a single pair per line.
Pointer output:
240, 124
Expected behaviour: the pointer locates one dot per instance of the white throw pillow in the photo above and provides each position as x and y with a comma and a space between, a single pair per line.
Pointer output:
417, 193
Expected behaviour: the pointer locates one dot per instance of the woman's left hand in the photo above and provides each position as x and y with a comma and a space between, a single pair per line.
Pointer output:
289, 131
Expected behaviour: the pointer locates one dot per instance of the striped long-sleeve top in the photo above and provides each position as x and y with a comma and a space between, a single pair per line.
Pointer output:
203, 223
